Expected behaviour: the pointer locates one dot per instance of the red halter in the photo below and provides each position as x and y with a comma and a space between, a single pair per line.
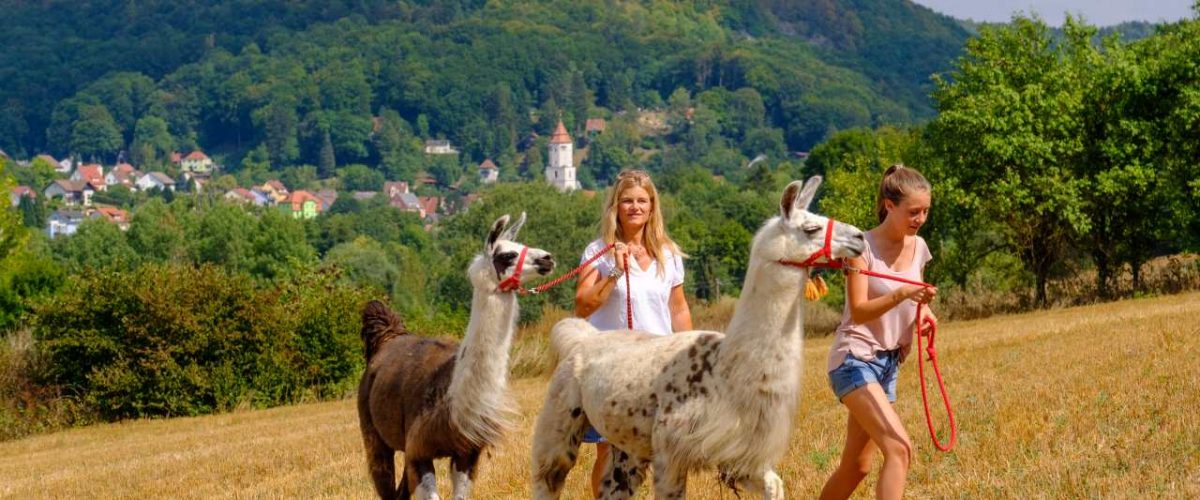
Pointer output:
825, 251
513, 282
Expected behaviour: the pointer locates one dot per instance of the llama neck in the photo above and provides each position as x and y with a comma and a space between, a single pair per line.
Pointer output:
764, 339
477, 388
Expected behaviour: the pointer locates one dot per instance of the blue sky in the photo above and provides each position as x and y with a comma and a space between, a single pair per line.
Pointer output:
1095, 12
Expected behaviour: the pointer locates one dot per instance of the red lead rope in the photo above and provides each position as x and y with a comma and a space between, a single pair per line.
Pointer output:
513, 283
925, 327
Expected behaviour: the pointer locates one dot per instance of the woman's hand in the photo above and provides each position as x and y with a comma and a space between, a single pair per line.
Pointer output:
917, 293
620, 253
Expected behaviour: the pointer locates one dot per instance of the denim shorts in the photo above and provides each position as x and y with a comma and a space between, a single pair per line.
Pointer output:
854, 373
591, 436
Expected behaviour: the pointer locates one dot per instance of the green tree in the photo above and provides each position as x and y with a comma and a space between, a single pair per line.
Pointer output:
360, 178
364, 262
280, 124
152, 142
280, 247
326, 162
224, 236
95, 134
156, 233
1010, 126
98, 244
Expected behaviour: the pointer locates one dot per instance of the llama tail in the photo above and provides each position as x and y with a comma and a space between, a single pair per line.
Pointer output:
566, 334
378, 325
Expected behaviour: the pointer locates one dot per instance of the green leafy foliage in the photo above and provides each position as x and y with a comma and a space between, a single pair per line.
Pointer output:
165, 340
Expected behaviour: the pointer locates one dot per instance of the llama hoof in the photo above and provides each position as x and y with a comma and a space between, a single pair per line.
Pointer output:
772, 486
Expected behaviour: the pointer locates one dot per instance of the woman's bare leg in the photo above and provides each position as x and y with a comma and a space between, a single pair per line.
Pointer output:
872, 414
599, 467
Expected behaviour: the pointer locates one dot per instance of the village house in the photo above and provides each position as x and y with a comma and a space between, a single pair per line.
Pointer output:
196, 162
431, 207
243, 195
439, 147
73, 193
364, 195
92, 174
154, 180
122, 175
328, 197
198, 181
301, 204
64, 222
488, 173
594, 127
407, 202
274, 190
113, 215
17, 192
393, 189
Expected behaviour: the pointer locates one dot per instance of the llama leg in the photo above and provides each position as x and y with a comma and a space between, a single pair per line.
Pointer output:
623, 477
421, 479
556, 438
463, 474
381, 459
670, 481
768, 485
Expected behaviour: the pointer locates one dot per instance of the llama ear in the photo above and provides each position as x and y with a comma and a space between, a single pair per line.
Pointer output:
808, 193
494, 234
788, 201
511, 233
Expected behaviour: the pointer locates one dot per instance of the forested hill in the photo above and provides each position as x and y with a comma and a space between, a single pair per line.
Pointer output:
233, 75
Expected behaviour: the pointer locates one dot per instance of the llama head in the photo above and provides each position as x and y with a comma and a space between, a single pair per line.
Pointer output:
501, 254
803, 233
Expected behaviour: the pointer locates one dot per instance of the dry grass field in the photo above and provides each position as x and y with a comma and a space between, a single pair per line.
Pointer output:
1091, 402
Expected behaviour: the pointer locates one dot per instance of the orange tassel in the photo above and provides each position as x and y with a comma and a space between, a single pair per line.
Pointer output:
815, 288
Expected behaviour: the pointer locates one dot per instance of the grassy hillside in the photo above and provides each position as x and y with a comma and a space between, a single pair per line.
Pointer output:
1095, 401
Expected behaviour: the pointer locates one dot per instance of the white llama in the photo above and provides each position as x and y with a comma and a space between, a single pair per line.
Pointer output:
429, 398
695, 399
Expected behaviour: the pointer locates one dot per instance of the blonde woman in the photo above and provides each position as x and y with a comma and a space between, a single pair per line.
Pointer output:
632, 221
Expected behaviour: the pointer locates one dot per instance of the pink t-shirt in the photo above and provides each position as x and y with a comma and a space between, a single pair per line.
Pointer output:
895, 327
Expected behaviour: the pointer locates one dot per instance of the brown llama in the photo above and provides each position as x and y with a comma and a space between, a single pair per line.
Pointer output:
431, 398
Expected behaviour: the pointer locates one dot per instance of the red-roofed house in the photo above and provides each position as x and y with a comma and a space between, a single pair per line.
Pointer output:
276, 192
430, 205
242, 195
90, 173
114, 215
488, 173
123, 174
18, 192
301, 204
196, 162
594, 126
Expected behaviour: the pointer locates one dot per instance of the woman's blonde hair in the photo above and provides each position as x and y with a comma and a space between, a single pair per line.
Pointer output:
655, 233
898, 181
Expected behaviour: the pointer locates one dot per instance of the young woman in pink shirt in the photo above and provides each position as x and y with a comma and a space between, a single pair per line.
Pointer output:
875, 336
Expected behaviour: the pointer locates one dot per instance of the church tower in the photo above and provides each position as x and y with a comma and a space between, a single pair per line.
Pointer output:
560, 169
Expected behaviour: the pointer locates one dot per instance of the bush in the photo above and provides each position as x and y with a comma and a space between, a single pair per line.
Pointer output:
165, 340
